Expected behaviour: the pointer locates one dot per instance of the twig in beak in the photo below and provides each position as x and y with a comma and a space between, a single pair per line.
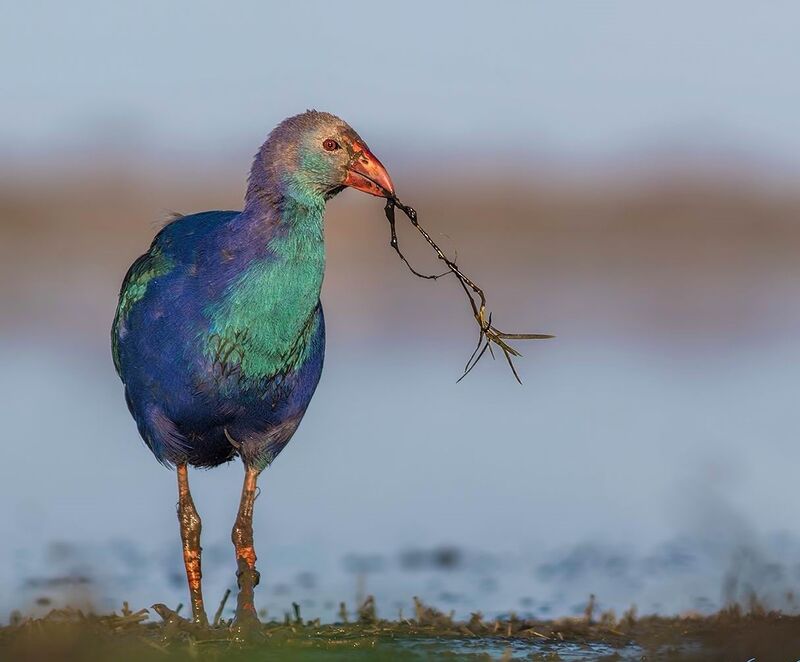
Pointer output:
477, 299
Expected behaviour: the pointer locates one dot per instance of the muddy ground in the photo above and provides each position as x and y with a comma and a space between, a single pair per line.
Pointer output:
159, 633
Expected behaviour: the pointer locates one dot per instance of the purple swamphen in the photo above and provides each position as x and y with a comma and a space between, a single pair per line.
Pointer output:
219, 335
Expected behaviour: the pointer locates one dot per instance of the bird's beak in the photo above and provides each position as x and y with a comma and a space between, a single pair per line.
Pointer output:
365, 173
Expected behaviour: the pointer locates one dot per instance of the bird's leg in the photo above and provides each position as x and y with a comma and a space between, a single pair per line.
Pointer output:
242, 537
190, 536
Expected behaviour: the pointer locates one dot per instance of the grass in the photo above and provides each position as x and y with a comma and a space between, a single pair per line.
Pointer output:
732, 634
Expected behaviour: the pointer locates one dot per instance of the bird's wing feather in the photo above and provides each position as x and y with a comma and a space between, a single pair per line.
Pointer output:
134, 286
174, 244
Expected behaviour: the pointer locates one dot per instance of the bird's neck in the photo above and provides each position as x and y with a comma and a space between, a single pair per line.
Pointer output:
273, 301
288, 221
286, 224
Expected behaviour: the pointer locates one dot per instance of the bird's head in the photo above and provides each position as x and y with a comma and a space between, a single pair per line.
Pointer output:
318, 154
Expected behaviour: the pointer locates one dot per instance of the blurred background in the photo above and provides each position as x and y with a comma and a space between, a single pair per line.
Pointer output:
621, 174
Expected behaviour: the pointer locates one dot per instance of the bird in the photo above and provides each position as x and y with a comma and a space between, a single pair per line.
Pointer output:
219, 333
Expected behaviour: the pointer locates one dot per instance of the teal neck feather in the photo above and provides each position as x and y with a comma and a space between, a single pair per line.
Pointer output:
269, 311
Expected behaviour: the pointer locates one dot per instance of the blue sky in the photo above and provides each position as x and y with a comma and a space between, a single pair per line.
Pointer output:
565, 77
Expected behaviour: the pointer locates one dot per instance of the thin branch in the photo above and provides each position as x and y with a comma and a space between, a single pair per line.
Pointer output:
473, 363
389, 209
221, 608
477, 299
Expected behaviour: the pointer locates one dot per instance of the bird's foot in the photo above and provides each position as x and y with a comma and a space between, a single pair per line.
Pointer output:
200, 620
169, 616
172, 618
174, 623
245, 626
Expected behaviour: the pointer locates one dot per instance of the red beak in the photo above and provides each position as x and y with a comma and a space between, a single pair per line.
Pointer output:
366, 173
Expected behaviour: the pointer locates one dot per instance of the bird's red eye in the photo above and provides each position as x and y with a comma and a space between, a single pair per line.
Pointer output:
330, 144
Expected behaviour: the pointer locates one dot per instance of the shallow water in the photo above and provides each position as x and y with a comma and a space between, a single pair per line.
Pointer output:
518, 650
648, 482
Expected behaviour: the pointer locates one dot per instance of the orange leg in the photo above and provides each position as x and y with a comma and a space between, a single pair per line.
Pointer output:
190, 537
242, 537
